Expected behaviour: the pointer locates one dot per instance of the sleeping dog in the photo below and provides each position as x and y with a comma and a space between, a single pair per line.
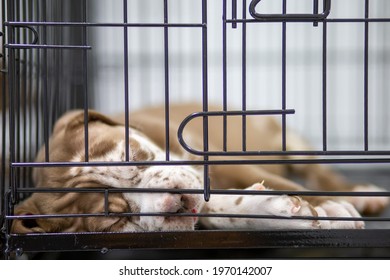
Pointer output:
147, 134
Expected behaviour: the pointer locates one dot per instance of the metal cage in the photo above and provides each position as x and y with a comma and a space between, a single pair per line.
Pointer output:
52, 57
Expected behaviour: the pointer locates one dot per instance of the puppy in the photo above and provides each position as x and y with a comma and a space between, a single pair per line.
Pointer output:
121, 211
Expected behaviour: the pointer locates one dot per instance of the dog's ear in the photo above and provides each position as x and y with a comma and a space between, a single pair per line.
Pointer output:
28, 207
68, 134
70, 203
75, 119
93, 116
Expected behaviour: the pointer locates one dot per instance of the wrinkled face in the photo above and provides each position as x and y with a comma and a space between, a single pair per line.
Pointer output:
107, 144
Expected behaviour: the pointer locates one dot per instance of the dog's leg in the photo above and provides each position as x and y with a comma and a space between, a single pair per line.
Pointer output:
242, 176
288, 209
322, 177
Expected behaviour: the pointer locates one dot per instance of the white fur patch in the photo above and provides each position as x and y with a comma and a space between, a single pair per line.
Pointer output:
165, 177
338, 209
277, 206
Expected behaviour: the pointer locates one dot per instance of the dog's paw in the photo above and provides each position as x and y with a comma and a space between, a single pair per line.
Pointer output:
369, 205
339, 209
274, 212
333, 210
265, 211
296, 207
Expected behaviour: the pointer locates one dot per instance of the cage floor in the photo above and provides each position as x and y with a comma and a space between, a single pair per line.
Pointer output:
379, 177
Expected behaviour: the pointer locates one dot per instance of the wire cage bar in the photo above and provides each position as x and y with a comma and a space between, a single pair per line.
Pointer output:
52, 59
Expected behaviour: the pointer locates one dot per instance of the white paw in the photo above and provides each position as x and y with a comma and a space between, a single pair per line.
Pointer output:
282, 212
340, 209
369, 204
277, 209
293, 207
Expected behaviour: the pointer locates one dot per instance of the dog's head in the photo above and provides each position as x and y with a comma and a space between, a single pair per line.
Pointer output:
106, 144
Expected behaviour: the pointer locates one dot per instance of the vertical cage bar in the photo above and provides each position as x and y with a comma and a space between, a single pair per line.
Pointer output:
244, 97
23, 75
7, 223
55, 77
284, 74
85, 84
11, 89
4, 100
224, 73
59, 103
205, 99
37, 90
126, 79
366, 93
166, 81
45, 94
17, 93
30, 58
234, 13
106, 203
315, 11
324, 88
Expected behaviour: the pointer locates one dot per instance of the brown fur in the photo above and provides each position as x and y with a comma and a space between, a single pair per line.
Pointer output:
67, 141
263, 134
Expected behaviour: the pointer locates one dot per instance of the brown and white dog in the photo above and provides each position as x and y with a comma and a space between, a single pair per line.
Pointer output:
147, 142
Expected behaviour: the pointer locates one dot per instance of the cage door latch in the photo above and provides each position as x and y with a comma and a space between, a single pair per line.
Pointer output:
315, 16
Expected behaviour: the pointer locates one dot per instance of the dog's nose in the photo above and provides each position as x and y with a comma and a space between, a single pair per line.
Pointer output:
173, 203
177, 204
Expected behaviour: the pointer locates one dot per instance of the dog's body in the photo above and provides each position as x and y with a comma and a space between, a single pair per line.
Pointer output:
147, 143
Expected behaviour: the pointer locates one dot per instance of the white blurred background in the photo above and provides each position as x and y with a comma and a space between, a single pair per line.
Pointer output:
345, 64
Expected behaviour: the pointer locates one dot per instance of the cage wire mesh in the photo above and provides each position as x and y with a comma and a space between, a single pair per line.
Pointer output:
320, 66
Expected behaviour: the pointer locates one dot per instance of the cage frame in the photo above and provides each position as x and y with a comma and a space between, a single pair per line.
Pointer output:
199, 239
